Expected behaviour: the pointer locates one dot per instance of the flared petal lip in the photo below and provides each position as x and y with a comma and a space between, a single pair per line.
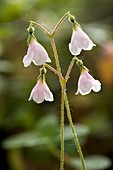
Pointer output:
82, 93
78, 50
49, 99
27, 60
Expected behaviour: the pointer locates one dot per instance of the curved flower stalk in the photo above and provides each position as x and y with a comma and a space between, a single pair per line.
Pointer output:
36, 53
79, 41
86, 83
41, 92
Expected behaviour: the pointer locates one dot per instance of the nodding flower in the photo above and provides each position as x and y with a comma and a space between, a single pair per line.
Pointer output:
79, 41
86, 83
41, 92
36, 53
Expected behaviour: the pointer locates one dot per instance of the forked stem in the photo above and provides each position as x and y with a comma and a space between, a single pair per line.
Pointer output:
70, 68
64, 100
59, 23
55, 28
54, 70
41, 28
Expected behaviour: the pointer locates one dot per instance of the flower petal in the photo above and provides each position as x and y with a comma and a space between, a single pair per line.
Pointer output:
74, 50
40, 92
37, 93
27, 60
84, 86
86, 83
40, 55
96, 86
80, 38
79, 41
77, 92
48, 94
90, 45
37, 96
29, 56
36, 54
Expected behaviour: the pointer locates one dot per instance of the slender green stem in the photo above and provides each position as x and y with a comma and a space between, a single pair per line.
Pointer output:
74, 132
62, 130
59, 23
55, 152
17, 163
42, 28
63, 87
54, 70
78, 62
55, 55
70, 68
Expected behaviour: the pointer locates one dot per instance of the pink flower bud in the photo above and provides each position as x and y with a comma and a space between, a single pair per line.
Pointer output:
41, 92
79, 41
86, 83
36, 54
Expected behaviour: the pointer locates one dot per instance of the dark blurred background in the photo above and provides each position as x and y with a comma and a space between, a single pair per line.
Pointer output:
29, 133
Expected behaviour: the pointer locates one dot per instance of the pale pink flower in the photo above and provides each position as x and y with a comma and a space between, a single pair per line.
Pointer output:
79, 41
86, 83
36, 54
41, 92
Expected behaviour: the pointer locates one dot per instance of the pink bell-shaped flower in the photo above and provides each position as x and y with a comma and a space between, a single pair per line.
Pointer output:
36, 54
79, 41
41, 92
86, 83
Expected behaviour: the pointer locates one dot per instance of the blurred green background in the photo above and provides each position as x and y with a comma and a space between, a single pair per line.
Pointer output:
29, 133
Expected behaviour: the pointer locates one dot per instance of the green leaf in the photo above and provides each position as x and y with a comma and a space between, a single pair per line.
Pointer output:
47, 131
94, 162
27, 139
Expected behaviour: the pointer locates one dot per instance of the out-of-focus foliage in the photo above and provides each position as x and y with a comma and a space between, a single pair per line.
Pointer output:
47, 134
18, 116
93, 162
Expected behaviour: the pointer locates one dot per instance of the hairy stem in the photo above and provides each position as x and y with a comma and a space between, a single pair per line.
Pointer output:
64, 97
52, 148
70, 68
74, 133
62, 129
54, 70
63, 87
55, 55
41, 27
59, 23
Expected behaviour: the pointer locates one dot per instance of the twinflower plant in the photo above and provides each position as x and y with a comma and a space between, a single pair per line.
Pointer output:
37, 54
